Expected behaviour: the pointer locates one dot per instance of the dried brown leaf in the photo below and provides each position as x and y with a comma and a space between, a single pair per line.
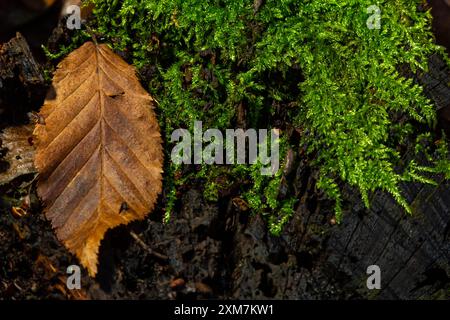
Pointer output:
19, 152
98, 150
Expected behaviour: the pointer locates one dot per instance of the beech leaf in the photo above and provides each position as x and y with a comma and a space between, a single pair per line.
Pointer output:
98, 150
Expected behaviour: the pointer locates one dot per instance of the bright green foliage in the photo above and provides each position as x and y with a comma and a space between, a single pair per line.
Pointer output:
337, 79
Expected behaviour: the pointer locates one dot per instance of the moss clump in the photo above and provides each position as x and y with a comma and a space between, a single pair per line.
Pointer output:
317, 61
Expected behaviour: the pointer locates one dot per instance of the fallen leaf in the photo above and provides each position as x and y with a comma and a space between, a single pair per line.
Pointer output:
203, 288
19, 152
18, 212
99, 147
241, 204
176, 283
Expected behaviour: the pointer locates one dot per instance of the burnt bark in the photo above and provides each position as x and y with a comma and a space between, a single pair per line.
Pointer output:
22, 85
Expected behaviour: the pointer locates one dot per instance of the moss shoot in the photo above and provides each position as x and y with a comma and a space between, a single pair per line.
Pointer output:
316, 62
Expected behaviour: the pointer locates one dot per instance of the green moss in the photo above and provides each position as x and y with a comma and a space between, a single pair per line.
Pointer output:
336, 79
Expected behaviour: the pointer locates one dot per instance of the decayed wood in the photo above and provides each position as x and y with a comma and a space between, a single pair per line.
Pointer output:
21, 81
98, 150
413, 252
313, 260
21, 86
436, 82
440, 9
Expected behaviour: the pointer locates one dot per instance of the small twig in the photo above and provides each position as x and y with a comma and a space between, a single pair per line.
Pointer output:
256, 5
91, 33
147, 248
17, 286
31, 183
